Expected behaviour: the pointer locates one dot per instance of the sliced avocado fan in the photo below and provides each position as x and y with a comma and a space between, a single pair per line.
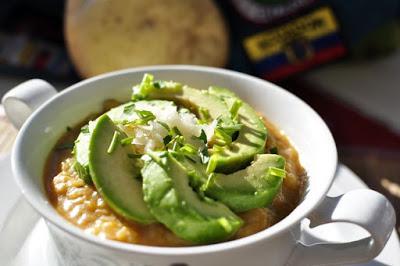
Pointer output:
112, 171
174, 203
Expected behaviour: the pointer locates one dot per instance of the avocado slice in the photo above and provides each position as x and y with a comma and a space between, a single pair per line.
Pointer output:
119, 114
174, 203
253, 187
251, 138
112, 171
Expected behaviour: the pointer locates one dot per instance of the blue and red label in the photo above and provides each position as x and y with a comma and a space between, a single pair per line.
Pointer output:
300, 44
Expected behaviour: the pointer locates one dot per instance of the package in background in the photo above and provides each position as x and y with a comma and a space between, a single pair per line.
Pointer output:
280, 38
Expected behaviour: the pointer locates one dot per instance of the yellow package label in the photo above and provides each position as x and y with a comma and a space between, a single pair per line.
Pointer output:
318, 23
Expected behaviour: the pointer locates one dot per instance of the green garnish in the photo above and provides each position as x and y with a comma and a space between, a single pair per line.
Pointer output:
114, 142
188, 149
164, 125
212, 164
228, 125
221, 137
126, 141
276, 172
225, 224
204, 114
144, 118
68, 128
129, 108
235, 108
209, 181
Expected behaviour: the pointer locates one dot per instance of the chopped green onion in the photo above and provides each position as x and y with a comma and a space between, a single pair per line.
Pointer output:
129, 108
212, 164
225, 224
276, 172
188, 149
221, 137
145, 118
126, 141
114, 142
235, 108
164, 125
209, 181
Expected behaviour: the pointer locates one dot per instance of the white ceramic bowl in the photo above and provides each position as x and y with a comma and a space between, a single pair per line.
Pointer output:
285, 243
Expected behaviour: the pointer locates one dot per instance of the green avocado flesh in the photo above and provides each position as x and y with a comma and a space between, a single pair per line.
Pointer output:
174, 203
112, 173
253, 187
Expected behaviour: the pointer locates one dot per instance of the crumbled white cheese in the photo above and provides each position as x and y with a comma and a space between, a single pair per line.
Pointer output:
150, 137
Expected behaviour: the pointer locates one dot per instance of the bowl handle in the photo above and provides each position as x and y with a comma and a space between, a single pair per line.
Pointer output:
363, 207
20, 102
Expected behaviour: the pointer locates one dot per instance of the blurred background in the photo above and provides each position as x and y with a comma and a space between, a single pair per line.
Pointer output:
339, 56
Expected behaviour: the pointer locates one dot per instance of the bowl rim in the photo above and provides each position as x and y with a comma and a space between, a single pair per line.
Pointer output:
282, 226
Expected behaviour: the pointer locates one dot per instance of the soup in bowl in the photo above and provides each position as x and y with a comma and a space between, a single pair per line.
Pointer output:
168, 178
